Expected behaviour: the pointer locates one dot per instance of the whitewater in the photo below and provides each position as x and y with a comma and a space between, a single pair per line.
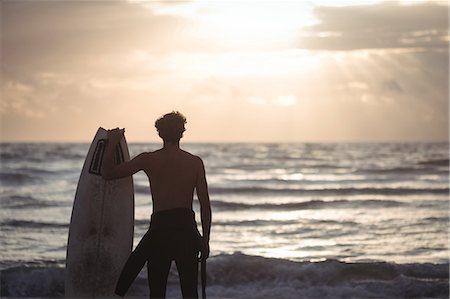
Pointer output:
289, 220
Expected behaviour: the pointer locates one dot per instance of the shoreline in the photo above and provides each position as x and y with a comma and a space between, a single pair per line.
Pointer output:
244, 276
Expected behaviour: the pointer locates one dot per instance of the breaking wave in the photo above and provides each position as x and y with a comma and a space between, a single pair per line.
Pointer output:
244, 276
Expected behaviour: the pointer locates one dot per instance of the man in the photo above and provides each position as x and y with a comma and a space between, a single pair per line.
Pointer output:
173, 174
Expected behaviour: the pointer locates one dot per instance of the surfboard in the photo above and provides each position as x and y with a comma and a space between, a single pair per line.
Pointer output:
101, 226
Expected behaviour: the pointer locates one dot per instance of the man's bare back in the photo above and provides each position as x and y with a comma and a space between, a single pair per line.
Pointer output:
173, 175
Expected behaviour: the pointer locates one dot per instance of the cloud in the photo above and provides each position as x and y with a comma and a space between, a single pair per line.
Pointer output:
356, 85
380, 26
73, 52
391, 86
21, 100
70, 35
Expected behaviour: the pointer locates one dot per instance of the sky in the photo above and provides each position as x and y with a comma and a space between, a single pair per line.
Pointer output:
240, 71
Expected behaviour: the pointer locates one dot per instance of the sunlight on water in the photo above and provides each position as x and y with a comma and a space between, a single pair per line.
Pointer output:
352, 202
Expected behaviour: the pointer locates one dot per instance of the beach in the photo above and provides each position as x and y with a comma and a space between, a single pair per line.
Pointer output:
301, 220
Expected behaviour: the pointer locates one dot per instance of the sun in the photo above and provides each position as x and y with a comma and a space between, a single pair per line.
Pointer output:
246, 24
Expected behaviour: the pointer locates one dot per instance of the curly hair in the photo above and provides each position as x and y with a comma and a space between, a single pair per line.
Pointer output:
171, 126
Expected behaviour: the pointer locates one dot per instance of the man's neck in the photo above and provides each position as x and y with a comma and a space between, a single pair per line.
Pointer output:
171, 145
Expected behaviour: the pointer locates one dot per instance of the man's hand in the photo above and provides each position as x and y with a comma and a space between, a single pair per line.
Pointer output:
115, 135
204, 253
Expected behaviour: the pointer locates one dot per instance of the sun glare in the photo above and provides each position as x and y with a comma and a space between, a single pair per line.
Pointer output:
244, 24
248, 64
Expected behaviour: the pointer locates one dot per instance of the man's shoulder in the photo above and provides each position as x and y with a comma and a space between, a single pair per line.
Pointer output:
154, 152
191, 156
147, 155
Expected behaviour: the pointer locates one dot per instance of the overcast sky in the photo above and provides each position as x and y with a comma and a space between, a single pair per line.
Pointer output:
327, 71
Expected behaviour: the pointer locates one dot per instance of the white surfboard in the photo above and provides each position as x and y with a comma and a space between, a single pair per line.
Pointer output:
101, 226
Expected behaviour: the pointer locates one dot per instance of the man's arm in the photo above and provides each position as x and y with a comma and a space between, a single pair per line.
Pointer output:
205, 207
112, 171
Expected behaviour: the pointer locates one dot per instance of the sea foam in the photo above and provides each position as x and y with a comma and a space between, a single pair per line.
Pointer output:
244, 276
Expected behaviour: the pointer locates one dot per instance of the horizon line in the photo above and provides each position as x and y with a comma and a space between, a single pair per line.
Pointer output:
234, 142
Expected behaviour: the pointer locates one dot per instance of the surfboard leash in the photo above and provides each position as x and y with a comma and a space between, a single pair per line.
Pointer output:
203, 276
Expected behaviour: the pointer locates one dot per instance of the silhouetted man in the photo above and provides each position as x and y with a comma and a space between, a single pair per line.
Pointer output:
173, 174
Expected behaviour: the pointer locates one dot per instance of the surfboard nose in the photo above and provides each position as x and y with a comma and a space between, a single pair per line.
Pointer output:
95, 165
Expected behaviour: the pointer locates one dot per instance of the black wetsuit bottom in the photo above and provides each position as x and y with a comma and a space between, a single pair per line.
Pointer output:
172, 236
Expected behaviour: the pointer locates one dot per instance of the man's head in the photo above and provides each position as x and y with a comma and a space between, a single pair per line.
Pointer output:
171, 126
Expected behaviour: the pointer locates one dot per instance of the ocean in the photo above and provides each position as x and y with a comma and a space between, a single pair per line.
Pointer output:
289, 220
